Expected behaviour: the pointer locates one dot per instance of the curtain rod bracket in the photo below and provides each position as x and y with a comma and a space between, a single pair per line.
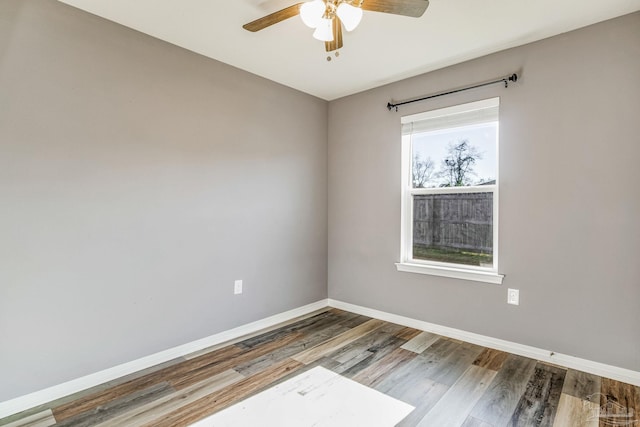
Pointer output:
512, 78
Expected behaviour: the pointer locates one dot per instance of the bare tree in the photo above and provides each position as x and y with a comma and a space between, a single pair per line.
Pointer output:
457, 167
422, 171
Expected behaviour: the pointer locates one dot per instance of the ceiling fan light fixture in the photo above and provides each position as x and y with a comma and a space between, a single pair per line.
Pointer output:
324, 30
349, 15
312, 12
330, 18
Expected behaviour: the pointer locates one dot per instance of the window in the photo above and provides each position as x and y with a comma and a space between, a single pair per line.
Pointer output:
450, 192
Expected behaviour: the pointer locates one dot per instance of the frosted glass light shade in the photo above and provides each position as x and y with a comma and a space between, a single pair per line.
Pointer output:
349, 15
311, 12
324, 30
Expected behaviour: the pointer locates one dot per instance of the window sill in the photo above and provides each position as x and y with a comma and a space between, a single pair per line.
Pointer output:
455, 273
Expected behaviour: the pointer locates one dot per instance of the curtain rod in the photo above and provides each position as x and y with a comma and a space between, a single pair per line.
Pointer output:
512, 78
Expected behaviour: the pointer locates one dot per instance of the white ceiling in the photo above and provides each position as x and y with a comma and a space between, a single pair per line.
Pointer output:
383, 49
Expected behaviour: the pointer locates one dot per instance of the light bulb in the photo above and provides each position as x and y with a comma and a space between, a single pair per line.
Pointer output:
324, 31
311, 12
349, 15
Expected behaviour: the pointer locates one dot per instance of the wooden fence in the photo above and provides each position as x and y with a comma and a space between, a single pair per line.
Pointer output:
454, 221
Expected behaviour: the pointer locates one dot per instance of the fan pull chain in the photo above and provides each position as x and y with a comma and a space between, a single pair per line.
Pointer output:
337, 54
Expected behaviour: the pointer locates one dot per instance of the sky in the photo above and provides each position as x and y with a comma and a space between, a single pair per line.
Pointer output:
483, 136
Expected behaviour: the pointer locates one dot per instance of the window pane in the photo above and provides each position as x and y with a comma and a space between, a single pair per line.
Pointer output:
454, 228
454, 157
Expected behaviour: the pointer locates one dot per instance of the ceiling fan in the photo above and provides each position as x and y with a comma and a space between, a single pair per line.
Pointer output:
328, 16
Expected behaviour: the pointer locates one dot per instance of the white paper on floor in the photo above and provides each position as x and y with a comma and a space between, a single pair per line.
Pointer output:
318, 398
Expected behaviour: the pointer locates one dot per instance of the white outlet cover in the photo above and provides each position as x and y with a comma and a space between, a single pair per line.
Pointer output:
513, 296
237, 287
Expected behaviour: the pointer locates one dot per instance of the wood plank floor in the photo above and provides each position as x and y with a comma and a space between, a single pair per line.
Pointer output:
450, 383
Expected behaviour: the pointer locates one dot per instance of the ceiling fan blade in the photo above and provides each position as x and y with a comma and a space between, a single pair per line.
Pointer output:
413, 8
273, 18
337, 36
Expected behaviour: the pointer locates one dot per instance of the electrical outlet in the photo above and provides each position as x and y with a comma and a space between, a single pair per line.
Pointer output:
513, 296
237, 287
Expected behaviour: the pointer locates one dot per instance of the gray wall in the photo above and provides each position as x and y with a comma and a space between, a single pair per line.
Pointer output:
137, 181
569, 206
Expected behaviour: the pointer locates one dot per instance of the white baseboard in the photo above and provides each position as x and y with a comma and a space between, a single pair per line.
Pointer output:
601, 369
41, 397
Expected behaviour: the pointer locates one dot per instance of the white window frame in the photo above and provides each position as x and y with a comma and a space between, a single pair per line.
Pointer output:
459, 271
